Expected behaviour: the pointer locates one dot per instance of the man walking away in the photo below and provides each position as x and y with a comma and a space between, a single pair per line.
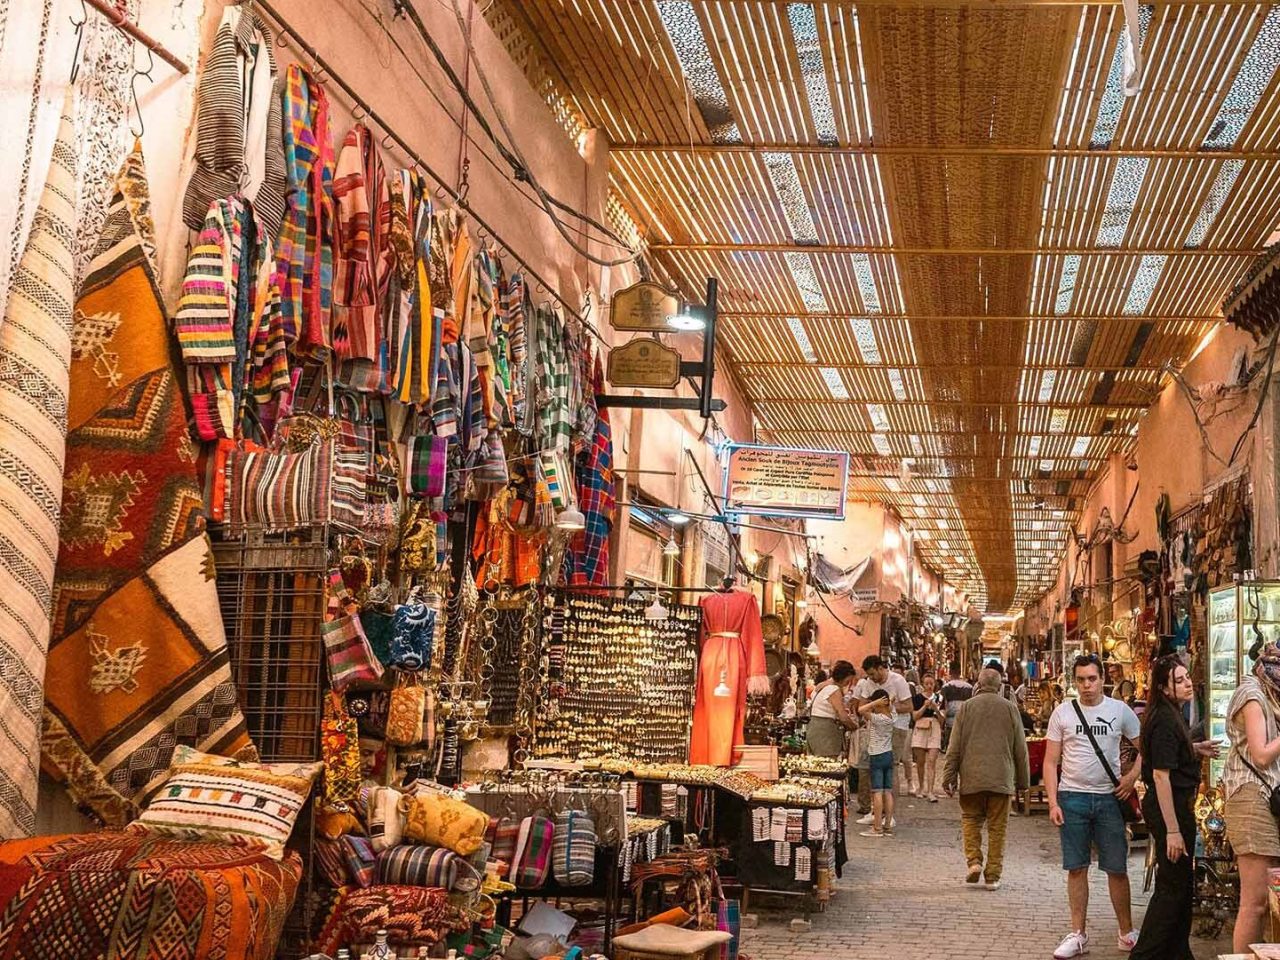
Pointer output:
988, 759
1084, 798
954, 692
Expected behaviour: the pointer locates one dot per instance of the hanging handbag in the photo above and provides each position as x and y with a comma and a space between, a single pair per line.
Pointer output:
404, 715
348, 653
1130, 807
1273, 795
340, 750
413, 628
428, 456
573, 852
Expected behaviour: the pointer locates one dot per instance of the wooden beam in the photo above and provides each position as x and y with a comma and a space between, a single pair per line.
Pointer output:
998, 4
944, 404
964, 318
1062, 367
847, 248
933, 150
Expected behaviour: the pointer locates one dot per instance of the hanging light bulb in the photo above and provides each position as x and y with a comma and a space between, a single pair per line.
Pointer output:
801, 603
677, 518
813, 649
686, 319
672, 549
722, 688
571, 518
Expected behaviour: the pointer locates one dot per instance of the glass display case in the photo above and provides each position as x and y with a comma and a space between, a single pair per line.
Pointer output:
1239, 615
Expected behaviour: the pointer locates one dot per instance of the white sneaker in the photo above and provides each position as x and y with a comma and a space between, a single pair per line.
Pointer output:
993, 884
864, 821
893, 822
1074, 944
1127, 941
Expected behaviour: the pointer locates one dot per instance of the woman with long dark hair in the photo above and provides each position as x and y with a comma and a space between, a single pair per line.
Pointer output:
1171, 771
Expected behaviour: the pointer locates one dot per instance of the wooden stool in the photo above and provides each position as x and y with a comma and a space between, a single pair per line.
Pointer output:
664, 942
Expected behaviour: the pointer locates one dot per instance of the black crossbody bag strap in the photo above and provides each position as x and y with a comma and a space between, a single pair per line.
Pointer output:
1084, 722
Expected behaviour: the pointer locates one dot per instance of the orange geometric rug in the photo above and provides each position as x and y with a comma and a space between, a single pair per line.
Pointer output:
138, 658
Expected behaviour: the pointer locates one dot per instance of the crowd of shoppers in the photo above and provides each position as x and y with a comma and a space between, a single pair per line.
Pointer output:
889, 719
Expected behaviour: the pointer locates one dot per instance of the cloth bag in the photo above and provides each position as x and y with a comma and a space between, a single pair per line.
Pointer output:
348, 653
532, 861
408, 706
340, 751
573, 856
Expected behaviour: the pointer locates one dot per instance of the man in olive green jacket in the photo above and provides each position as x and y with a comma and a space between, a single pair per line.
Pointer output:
988, 757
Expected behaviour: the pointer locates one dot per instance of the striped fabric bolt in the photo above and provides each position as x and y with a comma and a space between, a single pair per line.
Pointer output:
362, 862
35, 354
226, 107
573, 856
532, 862
417, 865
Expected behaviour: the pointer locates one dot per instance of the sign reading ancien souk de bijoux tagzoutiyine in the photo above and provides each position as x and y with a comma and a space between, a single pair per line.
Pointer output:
784, 481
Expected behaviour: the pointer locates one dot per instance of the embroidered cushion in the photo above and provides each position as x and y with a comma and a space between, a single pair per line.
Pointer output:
444, 822
247, 804
418, 866
409, 915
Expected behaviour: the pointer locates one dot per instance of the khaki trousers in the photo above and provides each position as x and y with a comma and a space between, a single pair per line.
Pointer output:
991, 809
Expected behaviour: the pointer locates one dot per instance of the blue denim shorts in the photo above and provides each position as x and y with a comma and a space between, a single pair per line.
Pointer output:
1092, 820
882, 770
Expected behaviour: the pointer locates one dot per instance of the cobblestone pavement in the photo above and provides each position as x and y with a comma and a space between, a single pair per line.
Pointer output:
904, 898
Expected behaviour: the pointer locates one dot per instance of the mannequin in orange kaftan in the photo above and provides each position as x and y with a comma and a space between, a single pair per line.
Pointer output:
732, 643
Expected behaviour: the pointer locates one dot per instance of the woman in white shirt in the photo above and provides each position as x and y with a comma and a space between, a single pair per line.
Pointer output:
1251, 772
828, 716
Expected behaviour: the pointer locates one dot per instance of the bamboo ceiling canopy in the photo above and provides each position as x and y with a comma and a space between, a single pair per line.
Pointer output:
946, 240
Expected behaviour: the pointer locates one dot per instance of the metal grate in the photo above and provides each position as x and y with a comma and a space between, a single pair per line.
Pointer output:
272, 593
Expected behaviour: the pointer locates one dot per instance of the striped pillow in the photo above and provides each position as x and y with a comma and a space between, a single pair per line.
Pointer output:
279, 491
573, 853
418, 866
234, 804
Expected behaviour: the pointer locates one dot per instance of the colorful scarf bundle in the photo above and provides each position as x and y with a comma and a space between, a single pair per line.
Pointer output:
305, 248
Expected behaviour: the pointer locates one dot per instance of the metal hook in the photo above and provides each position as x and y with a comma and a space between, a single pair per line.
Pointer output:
386, 137
79, 27
282, 39
133, 90
358, 114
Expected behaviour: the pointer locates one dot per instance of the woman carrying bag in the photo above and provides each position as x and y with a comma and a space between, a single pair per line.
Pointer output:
828, 716
1251, 773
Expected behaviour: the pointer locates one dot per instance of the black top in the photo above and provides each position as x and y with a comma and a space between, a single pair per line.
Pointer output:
917, 701
1166, 745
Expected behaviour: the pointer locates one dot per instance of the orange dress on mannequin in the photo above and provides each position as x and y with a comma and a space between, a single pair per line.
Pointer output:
732, 647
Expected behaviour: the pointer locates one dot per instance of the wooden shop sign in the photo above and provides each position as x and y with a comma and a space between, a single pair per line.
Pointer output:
643, 306
644, 363
785, 482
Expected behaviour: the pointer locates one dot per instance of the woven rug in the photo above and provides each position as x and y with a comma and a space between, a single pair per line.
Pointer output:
96, 895
35, 346
138, 658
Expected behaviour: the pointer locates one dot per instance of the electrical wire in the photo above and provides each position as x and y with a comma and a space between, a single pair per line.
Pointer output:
1262, 398
299, 42
508, 150
468, 136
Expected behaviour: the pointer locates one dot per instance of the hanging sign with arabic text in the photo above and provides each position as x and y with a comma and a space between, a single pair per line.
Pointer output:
785, 482
644, 363
643, 306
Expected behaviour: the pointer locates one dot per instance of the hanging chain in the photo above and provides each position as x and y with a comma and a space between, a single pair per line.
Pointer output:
531, 670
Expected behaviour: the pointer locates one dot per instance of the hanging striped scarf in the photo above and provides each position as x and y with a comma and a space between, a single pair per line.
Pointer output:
364, 256
35, 352
305, 254
228, 323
